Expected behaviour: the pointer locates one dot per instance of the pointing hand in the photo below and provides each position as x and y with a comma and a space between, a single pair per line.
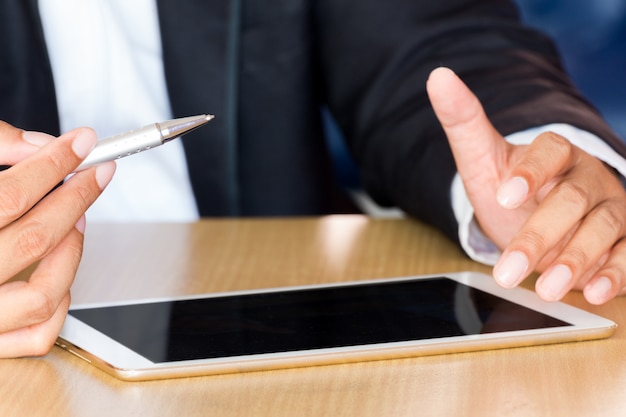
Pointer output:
548, 206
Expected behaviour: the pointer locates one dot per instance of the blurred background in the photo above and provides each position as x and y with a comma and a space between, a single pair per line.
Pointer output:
591, 35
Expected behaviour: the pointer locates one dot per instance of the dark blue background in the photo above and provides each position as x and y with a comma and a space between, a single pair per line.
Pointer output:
591, 35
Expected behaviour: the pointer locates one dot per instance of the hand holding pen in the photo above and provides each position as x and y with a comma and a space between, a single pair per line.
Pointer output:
44, 228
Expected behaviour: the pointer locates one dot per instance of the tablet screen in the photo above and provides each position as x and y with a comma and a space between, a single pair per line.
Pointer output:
304, 319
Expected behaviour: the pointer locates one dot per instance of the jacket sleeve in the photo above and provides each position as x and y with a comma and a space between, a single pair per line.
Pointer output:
375, 58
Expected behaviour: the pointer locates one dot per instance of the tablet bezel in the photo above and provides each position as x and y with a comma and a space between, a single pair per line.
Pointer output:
121, 362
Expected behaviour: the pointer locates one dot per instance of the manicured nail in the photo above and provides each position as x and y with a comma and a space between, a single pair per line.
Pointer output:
104, 174
80, 224
38, 139
512, 193
511, 270
83, 144
555, 283
599, 291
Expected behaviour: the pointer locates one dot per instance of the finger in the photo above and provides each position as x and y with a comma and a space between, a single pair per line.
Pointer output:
546, 158
39, 231
35, 340
477, 147
590, 273
563, 212
23, 304
550, 227
594, 238
16, 144
610, 280
27, 182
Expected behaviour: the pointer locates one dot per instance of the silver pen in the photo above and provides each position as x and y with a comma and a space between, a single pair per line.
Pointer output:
142, 139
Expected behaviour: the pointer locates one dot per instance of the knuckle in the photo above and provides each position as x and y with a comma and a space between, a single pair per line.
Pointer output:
572, 193
612, 217
532, 168
42, 335
56, 166
74, 252
82, 191
40, 343
615, 266
559, 146
42, 305
547, 153
559, 149
84, 196
577, 258
34, 240
14, 200
533, 241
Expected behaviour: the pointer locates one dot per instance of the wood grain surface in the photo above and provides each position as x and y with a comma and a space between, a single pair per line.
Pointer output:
128, 261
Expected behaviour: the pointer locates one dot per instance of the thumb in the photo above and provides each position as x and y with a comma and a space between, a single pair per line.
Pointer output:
16, 144
476, 145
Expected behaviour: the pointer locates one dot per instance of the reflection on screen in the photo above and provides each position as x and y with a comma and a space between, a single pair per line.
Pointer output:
310, 319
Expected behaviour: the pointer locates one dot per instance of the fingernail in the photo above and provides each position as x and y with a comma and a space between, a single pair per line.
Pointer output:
84, 143
511, 269
104, 173
512, 193
80, 224
599, 291
555, 283
37, 138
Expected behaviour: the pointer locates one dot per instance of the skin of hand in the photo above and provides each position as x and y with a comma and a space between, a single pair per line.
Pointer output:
44, 227
549, 206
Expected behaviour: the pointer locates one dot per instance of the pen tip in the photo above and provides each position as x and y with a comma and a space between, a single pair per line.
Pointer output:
178, 127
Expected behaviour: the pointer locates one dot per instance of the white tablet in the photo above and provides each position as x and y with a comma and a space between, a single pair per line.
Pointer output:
318, 325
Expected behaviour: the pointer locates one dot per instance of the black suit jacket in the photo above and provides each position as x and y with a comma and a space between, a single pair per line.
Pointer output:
264, 68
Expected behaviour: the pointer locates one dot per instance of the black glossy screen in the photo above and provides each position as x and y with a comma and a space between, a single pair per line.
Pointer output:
310, 319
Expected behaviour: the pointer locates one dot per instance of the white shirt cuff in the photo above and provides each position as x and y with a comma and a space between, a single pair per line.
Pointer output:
478, 246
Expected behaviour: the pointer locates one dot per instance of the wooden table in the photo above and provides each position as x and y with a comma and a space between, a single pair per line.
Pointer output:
153, 260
